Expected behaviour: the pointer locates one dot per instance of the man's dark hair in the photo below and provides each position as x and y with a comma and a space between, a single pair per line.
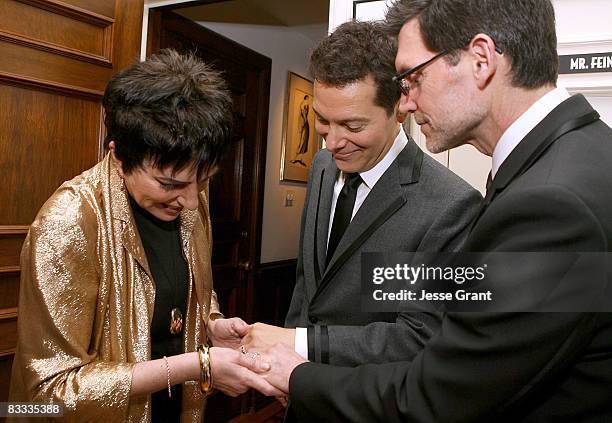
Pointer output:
354, 51
171, 109
523, 29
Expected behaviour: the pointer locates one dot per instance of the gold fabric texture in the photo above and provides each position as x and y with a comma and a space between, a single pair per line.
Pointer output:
87, 297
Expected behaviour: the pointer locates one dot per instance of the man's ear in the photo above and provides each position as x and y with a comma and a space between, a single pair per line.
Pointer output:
111, 148
484, 59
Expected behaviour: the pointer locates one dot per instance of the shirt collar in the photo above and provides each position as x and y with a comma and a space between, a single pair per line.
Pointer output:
370, 177
524, 124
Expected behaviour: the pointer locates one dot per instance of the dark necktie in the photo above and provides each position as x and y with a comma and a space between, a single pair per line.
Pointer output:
343, 213
489, 182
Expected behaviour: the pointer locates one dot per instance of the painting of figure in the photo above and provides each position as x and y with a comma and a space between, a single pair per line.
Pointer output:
300, 139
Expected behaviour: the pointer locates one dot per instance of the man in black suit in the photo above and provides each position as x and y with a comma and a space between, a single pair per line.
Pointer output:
484, 72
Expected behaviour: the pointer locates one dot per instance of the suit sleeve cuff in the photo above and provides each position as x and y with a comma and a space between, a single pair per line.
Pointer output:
318, 344
301, 342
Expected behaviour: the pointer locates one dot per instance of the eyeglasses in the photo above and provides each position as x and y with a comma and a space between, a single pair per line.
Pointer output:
403, 81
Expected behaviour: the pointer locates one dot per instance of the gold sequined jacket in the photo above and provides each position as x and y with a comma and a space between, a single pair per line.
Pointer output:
86, 301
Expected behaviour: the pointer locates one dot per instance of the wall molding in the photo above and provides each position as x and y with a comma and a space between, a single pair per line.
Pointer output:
14, 229
10, 270
70, 11
595, 91
22, 40
587, 40
13, 79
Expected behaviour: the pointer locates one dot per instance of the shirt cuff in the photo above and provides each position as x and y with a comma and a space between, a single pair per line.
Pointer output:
301, 342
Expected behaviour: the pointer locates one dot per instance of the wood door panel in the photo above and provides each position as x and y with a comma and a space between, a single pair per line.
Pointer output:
8, 330
233, 70
81, 35
225, 254
10, 248
22, 63
225, 185
83, 7
6, 363
33, 166
9, 286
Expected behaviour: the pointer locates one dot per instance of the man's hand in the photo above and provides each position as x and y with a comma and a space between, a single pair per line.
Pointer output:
227, 333
231, 378
275, 365
261, 337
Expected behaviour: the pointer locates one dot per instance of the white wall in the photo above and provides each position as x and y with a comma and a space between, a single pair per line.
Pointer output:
583, 26
289, 48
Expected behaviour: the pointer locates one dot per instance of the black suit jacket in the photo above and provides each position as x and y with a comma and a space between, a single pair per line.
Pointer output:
553, 193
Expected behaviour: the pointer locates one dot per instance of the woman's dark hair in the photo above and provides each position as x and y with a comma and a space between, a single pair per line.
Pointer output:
171, 109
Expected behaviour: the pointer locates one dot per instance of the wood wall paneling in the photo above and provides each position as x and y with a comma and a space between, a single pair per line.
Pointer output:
104, 8
82, 36
57, 57
270, 296
272, 291
47, 69
8, 331
33, 166
11, 239
9, 286
6, 364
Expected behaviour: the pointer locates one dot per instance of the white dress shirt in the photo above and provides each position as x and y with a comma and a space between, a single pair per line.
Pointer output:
369, 178
524, 124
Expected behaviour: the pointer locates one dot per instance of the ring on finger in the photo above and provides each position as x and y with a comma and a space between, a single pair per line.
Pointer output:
253, 355
243, 349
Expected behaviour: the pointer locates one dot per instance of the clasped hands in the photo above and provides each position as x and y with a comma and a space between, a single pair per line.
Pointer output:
258, 356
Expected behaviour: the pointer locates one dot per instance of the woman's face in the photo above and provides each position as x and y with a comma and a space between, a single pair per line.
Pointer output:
164, 192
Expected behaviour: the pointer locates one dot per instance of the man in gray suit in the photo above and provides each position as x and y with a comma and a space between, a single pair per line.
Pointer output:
396, 199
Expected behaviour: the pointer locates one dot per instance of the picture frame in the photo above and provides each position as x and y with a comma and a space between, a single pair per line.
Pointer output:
300, 140
369, 10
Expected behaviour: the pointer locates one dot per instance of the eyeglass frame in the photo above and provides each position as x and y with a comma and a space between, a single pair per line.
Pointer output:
401, 77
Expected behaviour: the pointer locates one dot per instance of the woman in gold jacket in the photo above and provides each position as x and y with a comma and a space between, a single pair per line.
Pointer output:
116, 286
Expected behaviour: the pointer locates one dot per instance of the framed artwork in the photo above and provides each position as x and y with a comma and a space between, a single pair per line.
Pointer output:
300, 141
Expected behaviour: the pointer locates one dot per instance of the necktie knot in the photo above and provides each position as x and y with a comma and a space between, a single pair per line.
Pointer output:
353, 179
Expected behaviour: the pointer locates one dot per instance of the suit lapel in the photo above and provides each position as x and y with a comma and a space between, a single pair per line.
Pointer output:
572, 114
386, 197
326, 190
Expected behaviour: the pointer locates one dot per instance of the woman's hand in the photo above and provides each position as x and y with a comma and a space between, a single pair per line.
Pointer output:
232, 379
227, 333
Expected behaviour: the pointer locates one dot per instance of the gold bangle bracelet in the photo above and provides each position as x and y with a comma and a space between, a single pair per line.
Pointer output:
216, 316
168, 377
208, 370
206, 382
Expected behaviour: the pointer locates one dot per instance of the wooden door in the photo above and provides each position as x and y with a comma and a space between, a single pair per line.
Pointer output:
55, 60
236, 191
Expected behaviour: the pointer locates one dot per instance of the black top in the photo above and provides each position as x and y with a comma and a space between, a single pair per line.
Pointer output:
162, 243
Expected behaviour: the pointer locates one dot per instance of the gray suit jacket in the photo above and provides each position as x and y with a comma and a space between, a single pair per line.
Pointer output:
417, 205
